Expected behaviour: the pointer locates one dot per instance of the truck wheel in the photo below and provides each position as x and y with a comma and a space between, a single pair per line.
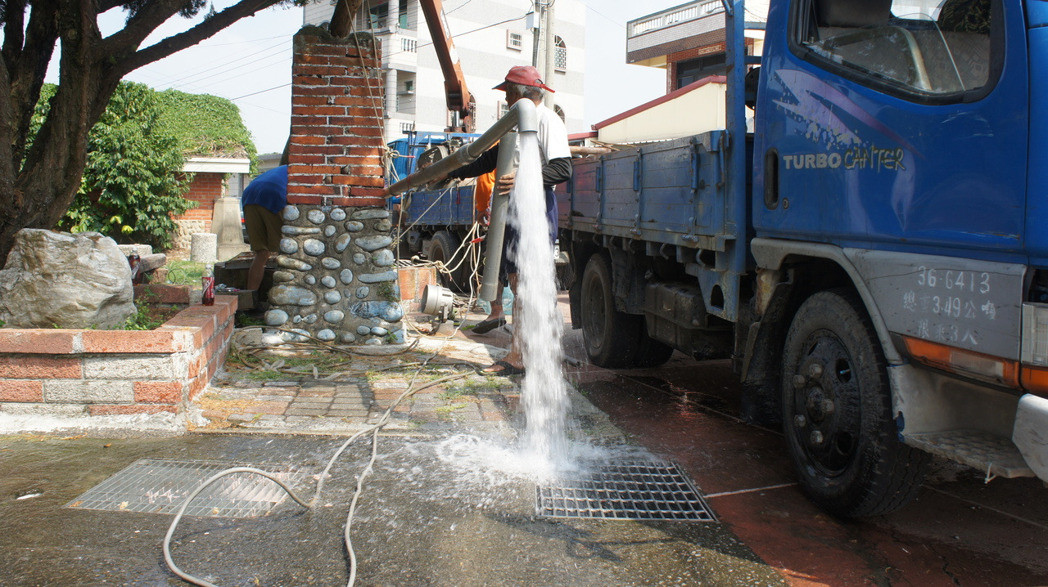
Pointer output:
606, 332
440, 248
613, 338
651, 353
837, 412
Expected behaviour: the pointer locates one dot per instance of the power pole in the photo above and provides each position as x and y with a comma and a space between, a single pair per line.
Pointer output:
542, 55
536, 31
547, 72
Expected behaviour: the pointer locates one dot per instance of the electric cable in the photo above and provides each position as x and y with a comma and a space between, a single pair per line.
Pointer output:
375, 428
194, 78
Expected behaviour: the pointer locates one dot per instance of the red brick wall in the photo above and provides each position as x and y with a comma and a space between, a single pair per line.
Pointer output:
205, 190
413, 281
117, 371
337, 94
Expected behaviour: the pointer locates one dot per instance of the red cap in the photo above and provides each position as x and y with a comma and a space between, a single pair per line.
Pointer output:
525, 75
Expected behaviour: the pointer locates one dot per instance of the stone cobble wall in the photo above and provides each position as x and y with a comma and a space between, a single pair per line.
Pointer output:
336, 279
183, 239
99, 372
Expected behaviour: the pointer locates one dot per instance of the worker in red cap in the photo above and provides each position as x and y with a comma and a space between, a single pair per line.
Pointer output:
524, 81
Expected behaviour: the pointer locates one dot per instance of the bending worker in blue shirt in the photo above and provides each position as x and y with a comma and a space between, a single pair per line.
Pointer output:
263, 202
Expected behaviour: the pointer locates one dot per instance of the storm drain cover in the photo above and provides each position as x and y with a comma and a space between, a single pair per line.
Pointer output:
159, 487
626, 490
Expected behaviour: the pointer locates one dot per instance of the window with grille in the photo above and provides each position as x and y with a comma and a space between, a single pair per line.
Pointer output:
560, 55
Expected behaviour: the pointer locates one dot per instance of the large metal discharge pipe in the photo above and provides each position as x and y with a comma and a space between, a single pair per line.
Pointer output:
507, 162
524, 117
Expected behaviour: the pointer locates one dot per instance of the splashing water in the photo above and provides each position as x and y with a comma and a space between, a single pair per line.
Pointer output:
544, 394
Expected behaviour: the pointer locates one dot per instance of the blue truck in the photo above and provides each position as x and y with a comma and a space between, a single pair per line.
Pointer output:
873, 257
434, 221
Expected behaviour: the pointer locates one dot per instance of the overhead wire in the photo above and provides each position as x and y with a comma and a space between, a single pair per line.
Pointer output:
286, 42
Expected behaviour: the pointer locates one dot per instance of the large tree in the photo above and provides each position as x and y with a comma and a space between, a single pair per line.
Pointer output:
133, 181
38, 181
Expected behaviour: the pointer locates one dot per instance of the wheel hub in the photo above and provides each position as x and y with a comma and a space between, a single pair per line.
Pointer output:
825, 402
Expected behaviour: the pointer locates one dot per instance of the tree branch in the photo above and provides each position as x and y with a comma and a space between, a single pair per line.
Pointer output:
14, 22
342, 20
8, 138
27, 75
140, 25
203, 30
102, 6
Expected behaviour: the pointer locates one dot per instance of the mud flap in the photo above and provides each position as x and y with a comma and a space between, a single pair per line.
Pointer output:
1030, 433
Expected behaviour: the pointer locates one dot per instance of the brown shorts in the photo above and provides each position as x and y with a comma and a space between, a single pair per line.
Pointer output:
263, 228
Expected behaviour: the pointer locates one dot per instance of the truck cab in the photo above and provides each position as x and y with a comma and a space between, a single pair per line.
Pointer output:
891, 165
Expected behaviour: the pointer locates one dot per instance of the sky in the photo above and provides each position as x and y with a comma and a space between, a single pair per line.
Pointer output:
250, 64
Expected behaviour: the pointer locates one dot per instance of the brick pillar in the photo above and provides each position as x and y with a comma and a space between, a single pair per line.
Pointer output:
336, 279
337, 98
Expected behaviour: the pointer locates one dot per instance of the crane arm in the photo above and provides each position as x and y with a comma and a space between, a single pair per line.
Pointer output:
455, 90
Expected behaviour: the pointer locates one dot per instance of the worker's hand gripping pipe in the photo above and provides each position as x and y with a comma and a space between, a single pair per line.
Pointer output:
523, 116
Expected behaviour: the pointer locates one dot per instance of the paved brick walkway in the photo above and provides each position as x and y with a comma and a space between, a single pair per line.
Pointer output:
237, 399
349, 393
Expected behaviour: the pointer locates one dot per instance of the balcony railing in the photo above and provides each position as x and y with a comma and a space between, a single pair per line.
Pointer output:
673, 16
400, 50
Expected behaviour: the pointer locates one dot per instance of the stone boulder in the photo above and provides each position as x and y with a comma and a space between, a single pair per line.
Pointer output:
57, 279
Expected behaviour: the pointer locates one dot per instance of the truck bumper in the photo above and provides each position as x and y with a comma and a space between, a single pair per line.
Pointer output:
1030, 434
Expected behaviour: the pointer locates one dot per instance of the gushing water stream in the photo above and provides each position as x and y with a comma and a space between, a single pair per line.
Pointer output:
540, 325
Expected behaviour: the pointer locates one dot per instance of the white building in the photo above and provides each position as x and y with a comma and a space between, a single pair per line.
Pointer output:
490, 37
688, 42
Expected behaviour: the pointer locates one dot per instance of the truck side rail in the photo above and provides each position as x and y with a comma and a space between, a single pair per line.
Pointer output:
667, 193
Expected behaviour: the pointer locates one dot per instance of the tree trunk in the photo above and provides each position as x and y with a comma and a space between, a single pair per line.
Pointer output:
50, 176
38, 186
342, 20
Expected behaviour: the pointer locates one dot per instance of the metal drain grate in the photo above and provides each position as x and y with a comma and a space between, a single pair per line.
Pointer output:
159, 487
626, 490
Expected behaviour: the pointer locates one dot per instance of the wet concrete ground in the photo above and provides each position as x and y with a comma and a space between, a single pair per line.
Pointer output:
438, 511
959, 531
425, 518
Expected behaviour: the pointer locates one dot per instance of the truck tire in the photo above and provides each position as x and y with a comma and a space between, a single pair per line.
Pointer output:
650, 352
441, 248
837, 412
612, 338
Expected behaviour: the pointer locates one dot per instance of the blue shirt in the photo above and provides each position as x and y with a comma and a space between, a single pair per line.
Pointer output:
268, 190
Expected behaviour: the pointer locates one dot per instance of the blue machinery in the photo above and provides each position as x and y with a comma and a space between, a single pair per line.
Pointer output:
523, 116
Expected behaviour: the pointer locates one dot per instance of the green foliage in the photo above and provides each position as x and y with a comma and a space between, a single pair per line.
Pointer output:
205, 125
149, 313
387, 291
243, 320
265, 375
133, 182
142, 319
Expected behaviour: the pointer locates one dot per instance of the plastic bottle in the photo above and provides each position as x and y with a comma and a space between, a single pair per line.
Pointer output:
208, 295
134, 261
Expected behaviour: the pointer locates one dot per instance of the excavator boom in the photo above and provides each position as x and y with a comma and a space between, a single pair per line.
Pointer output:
456, 92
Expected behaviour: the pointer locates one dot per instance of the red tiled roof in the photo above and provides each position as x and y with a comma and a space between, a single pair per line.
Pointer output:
578, 136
